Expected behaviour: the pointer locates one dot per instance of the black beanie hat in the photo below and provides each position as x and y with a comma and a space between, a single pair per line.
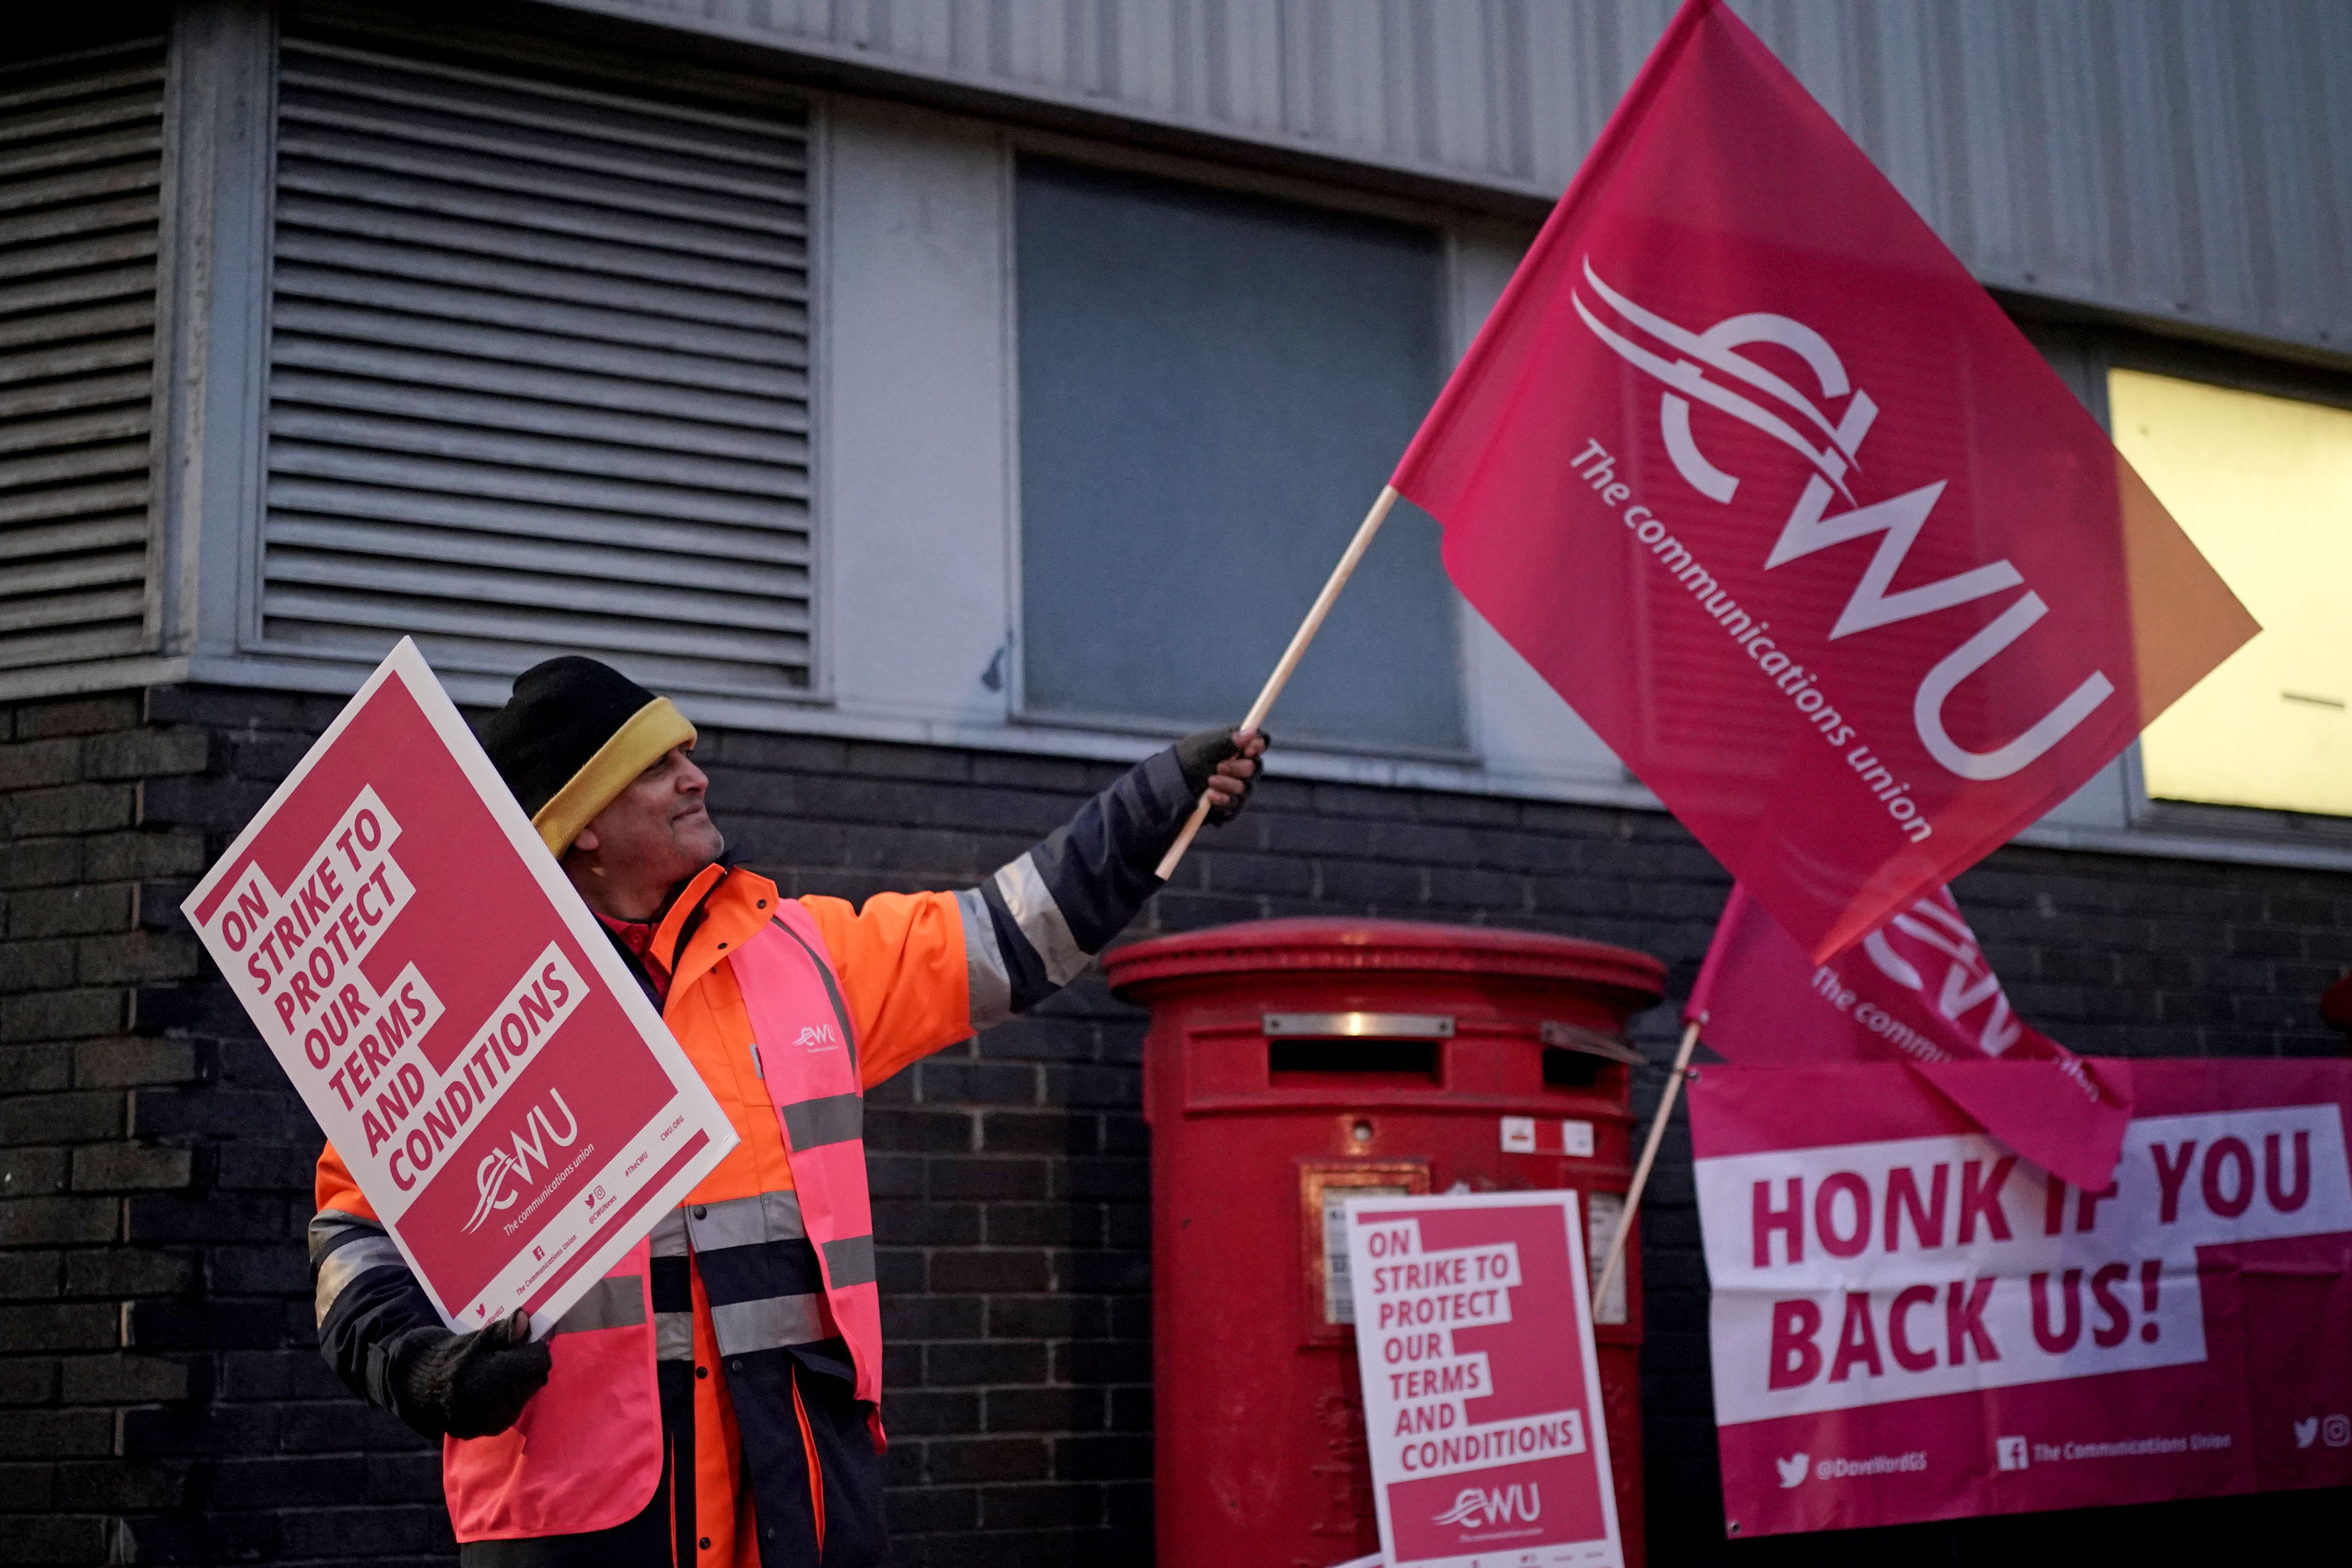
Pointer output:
572, 736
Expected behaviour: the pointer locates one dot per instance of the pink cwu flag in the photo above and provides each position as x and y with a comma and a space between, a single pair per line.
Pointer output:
1917, 990
1754, 473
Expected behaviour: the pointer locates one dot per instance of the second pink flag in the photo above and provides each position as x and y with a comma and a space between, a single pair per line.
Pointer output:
1917, 990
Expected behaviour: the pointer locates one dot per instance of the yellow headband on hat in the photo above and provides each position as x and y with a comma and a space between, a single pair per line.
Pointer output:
636, 746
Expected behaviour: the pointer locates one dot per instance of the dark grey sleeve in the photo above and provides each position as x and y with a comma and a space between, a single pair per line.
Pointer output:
367, 1303
1033, 926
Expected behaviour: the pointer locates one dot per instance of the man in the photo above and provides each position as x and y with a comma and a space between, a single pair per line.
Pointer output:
714, 1403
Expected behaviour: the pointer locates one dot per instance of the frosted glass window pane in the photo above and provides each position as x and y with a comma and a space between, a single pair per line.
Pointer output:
1213, 387
2263, 485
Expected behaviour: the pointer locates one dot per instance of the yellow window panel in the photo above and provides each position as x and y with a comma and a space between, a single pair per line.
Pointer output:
2263, 485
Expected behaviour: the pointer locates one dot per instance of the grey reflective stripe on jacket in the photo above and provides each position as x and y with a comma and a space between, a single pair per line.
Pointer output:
673, 1331
343, 1247
834, 1119
773, 1322
609, 1304
849, 1261
742, 1222
986, 977
1035, 925
1033, 909
745, 1246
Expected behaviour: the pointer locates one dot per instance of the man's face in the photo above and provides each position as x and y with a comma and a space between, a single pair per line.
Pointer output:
656, 831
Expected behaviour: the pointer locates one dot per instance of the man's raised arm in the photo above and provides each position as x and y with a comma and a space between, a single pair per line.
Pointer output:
1035, 926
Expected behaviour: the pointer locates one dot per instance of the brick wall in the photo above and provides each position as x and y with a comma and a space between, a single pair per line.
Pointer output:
159, 1396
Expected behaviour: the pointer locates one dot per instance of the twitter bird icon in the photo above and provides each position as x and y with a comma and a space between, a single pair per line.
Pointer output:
1793, 1469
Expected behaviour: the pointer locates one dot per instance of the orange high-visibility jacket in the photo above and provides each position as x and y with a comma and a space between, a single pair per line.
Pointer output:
760, 1389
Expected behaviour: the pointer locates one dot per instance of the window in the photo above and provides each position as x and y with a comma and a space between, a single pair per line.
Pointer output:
2263, 485
1213, 387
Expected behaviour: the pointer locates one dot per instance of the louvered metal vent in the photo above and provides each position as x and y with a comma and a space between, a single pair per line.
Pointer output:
538, 376
80, 165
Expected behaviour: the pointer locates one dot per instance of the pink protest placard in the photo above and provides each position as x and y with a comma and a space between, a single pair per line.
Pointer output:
496, 1081
1482, 1392
1911, 1322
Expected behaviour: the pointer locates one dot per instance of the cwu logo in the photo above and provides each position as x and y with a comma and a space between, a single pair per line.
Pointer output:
503, 1168
1910, 947
1475, 1508
1708, 367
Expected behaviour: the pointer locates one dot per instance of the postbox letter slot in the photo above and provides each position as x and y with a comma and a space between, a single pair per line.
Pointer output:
1290, 1060
1565, 1069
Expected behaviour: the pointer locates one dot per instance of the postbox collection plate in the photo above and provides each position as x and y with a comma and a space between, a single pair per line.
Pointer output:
1322, 1185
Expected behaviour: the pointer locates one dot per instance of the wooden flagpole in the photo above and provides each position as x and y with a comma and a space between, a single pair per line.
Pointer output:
1290, 657
1649, 1157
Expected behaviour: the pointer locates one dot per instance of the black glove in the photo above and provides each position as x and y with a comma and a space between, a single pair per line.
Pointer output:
468, 1385
1199, 755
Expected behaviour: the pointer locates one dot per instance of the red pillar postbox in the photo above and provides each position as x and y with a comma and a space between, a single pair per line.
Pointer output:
1292, 1063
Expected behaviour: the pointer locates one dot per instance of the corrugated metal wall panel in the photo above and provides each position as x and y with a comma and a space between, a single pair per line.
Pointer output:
2187, 160
538, 376
80, 171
